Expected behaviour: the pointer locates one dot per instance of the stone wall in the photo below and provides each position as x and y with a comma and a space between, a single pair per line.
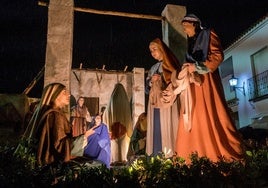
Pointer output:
100, 84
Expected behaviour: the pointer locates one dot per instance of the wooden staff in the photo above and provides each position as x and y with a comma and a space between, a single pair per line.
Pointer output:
32, 84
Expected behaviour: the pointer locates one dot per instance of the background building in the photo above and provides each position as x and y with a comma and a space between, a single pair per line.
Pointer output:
246, 59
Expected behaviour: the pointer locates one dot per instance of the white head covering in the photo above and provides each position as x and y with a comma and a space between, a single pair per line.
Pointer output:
191, 18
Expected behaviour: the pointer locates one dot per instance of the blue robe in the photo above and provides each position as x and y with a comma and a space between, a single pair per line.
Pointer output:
99, 146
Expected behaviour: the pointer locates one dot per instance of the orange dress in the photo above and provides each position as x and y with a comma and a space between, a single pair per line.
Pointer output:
213, 133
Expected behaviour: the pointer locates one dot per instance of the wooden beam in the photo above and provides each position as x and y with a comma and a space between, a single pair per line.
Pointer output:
111, 13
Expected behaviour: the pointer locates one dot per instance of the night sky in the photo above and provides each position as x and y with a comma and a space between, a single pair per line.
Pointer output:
99, 40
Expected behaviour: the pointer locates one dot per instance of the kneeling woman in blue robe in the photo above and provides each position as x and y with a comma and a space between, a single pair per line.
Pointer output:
98, 142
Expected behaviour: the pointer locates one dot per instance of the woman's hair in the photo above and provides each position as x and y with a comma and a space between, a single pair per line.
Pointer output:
80, 98
170, 61
197, 27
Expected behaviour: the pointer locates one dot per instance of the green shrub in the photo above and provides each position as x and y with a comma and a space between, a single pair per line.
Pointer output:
145, 171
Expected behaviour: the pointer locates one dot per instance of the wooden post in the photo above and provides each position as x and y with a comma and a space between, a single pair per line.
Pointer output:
59, 42
35, 80
138, 94
172, 30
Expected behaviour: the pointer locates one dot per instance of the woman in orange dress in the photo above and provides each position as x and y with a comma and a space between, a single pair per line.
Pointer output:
210, 130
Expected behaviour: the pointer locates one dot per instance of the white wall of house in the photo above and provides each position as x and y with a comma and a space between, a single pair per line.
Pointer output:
241, 52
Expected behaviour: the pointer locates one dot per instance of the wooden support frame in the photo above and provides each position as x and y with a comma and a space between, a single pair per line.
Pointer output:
111, 13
